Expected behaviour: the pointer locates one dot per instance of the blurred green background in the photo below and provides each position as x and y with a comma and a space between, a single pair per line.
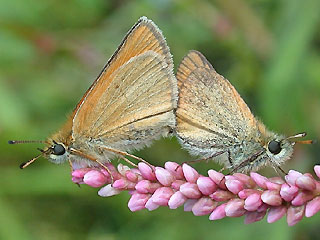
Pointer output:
50, 53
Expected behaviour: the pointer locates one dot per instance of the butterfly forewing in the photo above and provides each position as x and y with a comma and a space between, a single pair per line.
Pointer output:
132, 101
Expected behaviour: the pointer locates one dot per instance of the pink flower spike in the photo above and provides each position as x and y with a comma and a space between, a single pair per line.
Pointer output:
145, 186
94, 178
164, 176
306, 182
288, 192
276, 213
218, 178
235, 208
259, 180
295, 214
218, 213
175, 169
162, 195
252, 217
146, 171
206, 185
190, 173
313, 207
150, 205
233, 185
122, 169
271, 197
317, 170
138, 201
253, 202
190, 190
188, 205
204, 206
176, 200
108, 191
292, 177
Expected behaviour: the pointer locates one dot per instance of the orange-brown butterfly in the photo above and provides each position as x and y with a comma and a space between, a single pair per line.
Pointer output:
213, 121
131, 103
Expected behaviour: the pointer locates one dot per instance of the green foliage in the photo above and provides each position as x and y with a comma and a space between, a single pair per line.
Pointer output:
51, 51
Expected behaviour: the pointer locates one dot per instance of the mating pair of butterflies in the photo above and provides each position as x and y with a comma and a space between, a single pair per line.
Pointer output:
137, 99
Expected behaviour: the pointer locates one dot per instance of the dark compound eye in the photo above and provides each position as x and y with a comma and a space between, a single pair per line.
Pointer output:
58, 149
274, 147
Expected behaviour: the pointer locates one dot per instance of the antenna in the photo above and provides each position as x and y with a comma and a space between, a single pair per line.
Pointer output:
300, 135
26, 164
24, 141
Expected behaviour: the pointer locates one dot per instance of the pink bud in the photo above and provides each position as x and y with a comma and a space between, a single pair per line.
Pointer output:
235, 208
176, 200
271, 197
190, 173
108, 191
190, 190
301, 198
245, 179
276, 213
162, 195
164, 176
317, 170
292, 177
288, 192
123, 184
218, 213
94, 178
77, 180
218, 178
175, 169
306, 182
177, 184
122, 169
79, 173
233, 185
259, 180
221, 195
313, 207
145, 186
204, 206
252, 217
138, 201
247, 192
253, 202
295, 214
146, 171
206, 185
273, 186
188, 205
150, 205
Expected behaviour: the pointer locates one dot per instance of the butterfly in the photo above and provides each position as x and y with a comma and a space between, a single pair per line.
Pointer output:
129, 105
214, 122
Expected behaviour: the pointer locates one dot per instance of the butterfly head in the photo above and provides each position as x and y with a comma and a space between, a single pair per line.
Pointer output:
280, 148
55, 152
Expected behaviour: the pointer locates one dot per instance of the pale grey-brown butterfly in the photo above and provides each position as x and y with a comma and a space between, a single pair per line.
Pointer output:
213, 121
129, 105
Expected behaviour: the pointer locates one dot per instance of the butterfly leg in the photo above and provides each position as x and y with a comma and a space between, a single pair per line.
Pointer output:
248, 161
121, 153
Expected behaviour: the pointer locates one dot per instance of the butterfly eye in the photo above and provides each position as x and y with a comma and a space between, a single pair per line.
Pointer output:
274, 147
58, 149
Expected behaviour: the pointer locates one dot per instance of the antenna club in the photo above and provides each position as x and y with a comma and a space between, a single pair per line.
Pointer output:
11, 142
22, 165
